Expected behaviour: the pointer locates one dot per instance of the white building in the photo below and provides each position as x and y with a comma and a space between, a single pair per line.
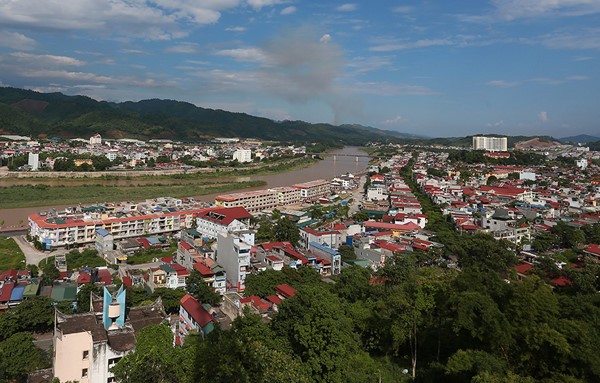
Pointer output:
96, 139
243, 155
581, 164
252, 201
222, 219
233, 254
34, 161
314, 189
86, 346
493, 144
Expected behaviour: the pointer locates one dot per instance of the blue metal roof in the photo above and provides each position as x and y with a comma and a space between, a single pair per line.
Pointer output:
17, 293
324, 248
102, 232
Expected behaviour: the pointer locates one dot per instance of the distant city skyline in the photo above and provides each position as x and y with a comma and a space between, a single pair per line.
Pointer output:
432, 68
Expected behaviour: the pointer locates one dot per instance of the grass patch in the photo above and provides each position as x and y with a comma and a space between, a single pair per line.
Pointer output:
44, 195
87, 258
11, 256
148, 255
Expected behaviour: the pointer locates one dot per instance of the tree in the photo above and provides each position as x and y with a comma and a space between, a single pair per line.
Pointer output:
265, 231
19, 356
360, 216
49, 273
83, 296
263, 284
491, 180
170, 298
154, 360
347, 252
198, 288
286, 230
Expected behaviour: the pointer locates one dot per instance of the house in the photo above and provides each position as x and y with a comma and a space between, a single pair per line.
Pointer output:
233, 254
222, 219
193, 316
331, 238
285, 291
86, 346
593, 250
169, 275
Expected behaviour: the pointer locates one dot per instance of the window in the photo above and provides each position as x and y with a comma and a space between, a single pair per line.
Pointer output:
86, 354
84, 373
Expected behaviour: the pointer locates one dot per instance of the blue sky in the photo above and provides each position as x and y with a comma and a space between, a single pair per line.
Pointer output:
435, 68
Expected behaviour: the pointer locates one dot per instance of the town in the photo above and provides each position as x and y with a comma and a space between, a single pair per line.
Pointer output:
529, 212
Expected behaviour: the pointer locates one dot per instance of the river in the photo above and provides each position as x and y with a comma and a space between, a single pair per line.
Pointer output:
340, 161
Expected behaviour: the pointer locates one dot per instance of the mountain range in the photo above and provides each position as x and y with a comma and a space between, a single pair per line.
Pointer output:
26, 112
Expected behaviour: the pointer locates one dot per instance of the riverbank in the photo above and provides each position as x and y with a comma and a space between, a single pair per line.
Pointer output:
349, 160
43, 195
12, 178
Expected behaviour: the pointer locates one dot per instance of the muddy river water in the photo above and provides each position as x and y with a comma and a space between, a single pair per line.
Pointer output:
341, 161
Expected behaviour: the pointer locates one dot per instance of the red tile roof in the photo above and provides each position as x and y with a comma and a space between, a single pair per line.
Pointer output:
196, 311
6, 291
84, 278
523, 268
204, 270
286, 290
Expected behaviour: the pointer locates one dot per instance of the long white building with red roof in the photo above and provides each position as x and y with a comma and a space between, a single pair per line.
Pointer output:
79, 228
219, 219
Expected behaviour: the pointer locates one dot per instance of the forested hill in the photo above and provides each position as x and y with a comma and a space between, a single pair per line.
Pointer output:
27, 112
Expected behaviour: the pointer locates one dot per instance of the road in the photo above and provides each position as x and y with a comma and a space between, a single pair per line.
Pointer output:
32, 255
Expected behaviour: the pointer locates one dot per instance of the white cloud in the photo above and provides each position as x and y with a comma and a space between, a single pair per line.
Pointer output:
403, 9
588, 38
424, 43
582, 58
543, 116
244, 54
361, 65
348, 7
258, 4
514, 9
236, 29
46, 60
146, 19
394, 121
16, 41
502, 83
289, 10
185, 48
325, 38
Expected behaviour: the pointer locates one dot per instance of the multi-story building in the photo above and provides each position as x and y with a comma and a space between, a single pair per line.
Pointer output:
331, 255
211, 222
331, 238
233, 254
34, 161
79, 228
243, 155
492, 144
96, 139
253, 201
287, 195
86, 346
169, 275
193, 317
314, 189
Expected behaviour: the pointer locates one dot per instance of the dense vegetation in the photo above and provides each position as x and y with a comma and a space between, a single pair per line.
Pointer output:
31, 113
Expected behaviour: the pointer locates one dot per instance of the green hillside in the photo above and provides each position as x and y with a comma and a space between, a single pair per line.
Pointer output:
31, 113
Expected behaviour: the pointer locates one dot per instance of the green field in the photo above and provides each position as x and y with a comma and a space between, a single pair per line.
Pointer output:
11, 256
44, 195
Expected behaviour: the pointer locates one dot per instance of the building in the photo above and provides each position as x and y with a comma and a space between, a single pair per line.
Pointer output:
253, 201
331, 238
104, 241
69, 228
169, 275
86, 346
96, 139
34, 161
243, 155
492, 144
314, 189
287, 195
213, 221
233, 254
326, 252
193, 316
